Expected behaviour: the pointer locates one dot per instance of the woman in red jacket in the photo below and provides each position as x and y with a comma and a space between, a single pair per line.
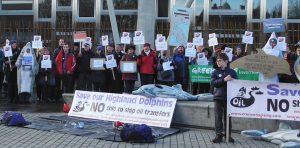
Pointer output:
65, 65
147, 63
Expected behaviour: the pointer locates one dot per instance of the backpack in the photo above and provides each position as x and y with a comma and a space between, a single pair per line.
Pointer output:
13, 119
137, 133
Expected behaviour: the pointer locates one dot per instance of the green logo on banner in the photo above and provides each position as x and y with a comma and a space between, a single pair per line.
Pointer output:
200, 73
247, 75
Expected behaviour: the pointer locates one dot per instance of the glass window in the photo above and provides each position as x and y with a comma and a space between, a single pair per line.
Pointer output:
273, 8
199, 12
179, 3
44, 9
86, 8
64, 2
228, 4
162, 8
63, 19
123, 4
256, 9
16, 5
294, 9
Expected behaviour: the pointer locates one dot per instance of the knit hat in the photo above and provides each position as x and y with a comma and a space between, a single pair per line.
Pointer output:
147, 44
100, 47
12, 42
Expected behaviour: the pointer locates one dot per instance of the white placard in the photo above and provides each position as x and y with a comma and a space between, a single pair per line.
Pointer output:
212, 42
251, 99
247, 39
197, 34
104, 40
248, 33
198, 41
123, 107
87, 40
212, 35
190, 50
138, 38
281, 43
46, 64
125, 39
167, 66
98, 63
129, 66
7, 42
228, 52
158, 35
37, 38
7, 51
27, 60
110, 61
37, 44
201, 59
161, 43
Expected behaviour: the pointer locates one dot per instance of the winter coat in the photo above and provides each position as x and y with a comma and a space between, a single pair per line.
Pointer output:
220, 86
181, 63
45, 76
26, 73
70, 65
129, 76
147, 63
84, 61
2, 59
99, 76
166, 76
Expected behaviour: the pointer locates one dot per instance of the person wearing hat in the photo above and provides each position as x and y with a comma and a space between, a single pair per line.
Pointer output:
99, 76
147, 62
181, 63
165, 77
118, 54
11, 73
85, 81
129, 78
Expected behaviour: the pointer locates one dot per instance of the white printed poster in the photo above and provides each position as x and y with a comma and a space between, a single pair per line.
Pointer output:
281, 43
125, 39
110, 61
104, 40
247, 37
190, 50
122, 107
138, 38
252, 99
7, 51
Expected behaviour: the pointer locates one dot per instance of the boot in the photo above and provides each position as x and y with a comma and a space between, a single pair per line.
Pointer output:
218, 138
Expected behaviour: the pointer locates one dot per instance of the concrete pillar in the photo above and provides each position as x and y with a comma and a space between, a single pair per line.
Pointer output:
98, 21
188, 3
146, 21
113, 22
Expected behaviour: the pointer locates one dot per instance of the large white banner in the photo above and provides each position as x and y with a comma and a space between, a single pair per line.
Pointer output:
252, 99
125, 108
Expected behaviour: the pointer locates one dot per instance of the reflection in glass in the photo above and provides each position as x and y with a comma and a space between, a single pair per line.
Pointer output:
86, 8
294, 9
123, 4
273, 9
64, 2
17, 5
126, 23
63, 19
199, 12
44, 9
256, 9
228, 4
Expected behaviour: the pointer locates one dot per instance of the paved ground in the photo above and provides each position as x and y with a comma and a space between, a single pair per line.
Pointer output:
23, 137
27, 138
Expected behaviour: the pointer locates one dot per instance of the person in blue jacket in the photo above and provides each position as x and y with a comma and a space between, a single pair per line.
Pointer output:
220, 77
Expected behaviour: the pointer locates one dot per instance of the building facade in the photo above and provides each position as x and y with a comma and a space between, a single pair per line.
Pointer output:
54, 19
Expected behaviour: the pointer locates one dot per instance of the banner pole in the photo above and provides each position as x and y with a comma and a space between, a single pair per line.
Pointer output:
9, 64
80, 47
227, 127
246, 47
214, 48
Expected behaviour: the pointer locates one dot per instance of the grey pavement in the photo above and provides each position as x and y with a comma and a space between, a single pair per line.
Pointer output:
17, 137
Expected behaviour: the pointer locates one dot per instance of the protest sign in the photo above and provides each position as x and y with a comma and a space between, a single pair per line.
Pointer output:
267, 64
97, 63
104, 40
46, 62
122, 107
281, 45
274, 25
246, 74
138, 38
251, 99
201, 59
37, 41
161, 43
87, 40
7, 42
228, 51
27, 60
247, 37
190, 50
125, 39
167, 66
198, 40
212, 42
110, 61
200, 73
79, 36
128, 66
7, 51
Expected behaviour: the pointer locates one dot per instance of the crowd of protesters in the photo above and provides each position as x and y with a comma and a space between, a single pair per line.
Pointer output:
71, 71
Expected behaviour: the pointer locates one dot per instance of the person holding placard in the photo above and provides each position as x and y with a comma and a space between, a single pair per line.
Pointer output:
114, 83
11, 73
147, 62
181, 67
85, 81
165, 69
119, 54
129, 78
219, 79
65, 65
99, 77
239, 52
45, 78
58, 80
27, 68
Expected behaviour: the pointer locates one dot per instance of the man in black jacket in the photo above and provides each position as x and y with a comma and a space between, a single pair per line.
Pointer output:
219, 81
